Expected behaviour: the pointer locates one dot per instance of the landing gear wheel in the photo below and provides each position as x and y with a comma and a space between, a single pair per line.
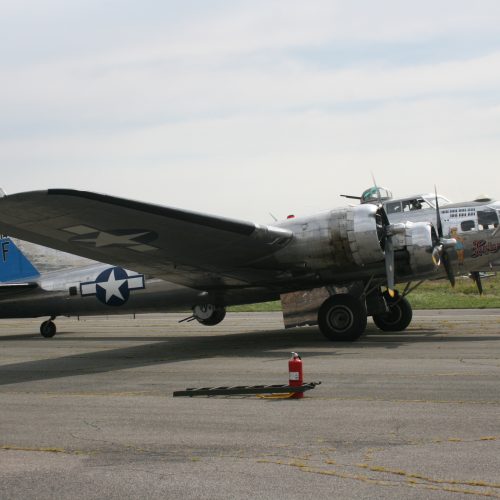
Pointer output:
211, 315
397, 318
342, 317
48, 329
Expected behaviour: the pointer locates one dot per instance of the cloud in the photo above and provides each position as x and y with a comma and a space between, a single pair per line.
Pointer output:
209, 107
72, 97
301, 161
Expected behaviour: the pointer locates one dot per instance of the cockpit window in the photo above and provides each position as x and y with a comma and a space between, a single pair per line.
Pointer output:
394, 207
487, 219
415, 204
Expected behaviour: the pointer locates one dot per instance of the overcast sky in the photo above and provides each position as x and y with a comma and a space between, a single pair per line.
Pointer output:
242, 108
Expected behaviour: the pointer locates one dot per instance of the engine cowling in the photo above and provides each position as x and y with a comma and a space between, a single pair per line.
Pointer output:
364, 234
342, 241
421, 242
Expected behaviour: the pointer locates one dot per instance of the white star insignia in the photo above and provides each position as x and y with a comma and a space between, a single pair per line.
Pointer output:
106, 239
112, 287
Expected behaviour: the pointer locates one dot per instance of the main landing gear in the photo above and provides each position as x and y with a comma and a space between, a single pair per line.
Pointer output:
48, 328
343, 317
398, 316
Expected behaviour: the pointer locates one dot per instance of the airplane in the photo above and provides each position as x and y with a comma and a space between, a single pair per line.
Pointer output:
339, 267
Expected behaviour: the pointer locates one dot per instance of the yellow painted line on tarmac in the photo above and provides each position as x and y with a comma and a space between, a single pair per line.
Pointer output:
412, 480
398, 472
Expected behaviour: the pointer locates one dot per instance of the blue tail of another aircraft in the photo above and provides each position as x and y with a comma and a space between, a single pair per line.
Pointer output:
14, 266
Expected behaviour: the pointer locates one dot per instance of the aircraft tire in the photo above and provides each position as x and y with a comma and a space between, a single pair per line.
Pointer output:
342, 317
48, 329
399, 316
218, 315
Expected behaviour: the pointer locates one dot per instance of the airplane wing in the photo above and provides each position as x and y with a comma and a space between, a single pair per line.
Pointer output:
189, 248
14, 288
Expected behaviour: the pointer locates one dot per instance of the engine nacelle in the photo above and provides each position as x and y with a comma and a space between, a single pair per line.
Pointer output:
342, 241
421, 242
364, 234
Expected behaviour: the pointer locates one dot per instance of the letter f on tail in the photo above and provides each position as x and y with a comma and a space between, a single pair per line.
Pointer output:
14, 266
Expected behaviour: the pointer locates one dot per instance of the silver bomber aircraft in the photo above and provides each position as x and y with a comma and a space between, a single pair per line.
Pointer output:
333, 269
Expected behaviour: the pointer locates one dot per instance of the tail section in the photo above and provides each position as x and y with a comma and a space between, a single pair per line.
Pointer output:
14, 266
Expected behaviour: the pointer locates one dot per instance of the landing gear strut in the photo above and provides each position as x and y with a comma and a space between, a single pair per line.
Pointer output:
342, 317
398, 317
48, 328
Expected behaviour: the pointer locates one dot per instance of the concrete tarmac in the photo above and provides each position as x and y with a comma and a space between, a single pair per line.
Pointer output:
90, 413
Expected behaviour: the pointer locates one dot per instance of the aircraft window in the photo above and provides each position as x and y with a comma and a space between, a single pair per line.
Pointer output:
441, 200
406, 206
487, 219
394, 208
467, 225
419, 204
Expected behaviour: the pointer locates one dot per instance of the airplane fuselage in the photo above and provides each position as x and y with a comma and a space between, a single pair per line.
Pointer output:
102, 289
471, 224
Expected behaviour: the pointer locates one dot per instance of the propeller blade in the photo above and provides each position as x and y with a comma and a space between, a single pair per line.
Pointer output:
436, 255
477, 279
378, 191
389, 264
444, 243
439, 224
447, 266
388, 244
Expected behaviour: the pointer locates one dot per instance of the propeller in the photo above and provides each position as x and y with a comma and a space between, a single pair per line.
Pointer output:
389, 264
444, 244
387, 231
477, 280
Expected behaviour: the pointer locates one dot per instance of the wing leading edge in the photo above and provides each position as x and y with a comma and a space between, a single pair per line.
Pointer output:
190, 248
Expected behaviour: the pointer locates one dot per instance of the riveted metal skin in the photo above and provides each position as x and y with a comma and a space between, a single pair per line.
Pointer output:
345, 239
363, 236
419, 241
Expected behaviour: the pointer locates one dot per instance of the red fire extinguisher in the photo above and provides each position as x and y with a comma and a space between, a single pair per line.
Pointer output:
295, 375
